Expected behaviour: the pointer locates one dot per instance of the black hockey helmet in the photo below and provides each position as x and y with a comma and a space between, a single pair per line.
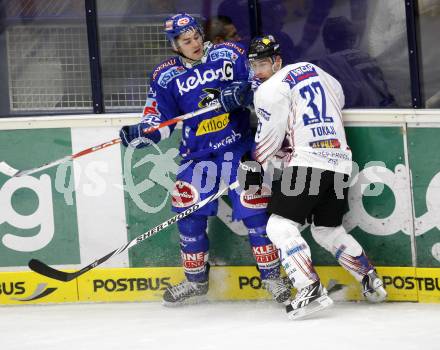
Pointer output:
262, 47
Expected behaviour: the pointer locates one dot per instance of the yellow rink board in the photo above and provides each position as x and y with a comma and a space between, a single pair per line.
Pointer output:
22, 288
427, 280
226, 283
235, 283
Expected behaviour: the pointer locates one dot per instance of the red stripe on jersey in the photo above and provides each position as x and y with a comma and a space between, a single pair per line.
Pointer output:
305, 76
259, 155
265, 140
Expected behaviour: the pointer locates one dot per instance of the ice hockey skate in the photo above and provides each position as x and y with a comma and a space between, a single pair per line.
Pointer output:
372, 288
186, 292
279, 288
308, 300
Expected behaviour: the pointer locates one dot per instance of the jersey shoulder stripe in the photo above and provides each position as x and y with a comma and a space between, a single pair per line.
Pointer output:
237, 47
165, 66
300, 73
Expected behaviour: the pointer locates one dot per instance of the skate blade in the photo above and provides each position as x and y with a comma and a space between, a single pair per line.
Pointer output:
321, 303
190, 301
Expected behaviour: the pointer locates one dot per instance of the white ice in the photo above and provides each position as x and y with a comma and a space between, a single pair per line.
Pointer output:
219, 325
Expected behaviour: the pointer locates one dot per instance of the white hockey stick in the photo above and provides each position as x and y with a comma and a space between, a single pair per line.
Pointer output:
7, 170
12, 172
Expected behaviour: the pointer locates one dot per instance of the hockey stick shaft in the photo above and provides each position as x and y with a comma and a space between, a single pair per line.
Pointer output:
214, 106
45, 270
84, 152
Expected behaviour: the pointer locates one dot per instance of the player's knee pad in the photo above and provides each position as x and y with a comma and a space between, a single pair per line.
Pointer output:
281, 230
193, 237
295, 252
265, 253
285, 234
336, 240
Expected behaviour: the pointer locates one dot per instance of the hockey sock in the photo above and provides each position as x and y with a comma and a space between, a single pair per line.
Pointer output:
295, 252
194, 246
265, 253
345, 248
358, 266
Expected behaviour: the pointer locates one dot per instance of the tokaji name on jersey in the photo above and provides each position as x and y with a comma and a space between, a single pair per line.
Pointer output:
323, 131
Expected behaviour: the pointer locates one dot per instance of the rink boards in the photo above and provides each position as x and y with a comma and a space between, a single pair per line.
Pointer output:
226, 283
70, 215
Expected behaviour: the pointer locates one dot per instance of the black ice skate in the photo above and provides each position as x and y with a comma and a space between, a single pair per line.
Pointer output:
279, 288
372, 288
308, 301
185, 292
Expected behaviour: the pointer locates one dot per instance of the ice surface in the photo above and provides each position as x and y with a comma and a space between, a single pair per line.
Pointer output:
219, 325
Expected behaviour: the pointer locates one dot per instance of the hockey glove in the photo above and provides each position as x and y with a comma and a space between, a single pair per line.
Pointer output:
133, 136
250, 172
236, 95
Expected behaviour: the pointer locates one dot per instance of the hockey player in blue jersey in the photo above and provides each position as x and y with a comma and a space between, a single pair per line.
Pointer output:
200, 73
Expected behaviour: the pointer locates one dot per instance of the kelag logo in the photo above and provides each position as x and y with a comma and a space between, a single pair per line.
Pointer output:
131, 284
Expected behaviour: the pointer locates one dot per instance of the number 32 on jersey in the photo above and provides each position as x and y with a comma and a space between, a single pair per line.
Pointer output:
311, 94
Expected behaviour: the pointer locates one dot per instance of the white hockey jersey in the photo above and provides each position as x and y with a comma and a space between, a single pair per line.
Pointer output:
300, 120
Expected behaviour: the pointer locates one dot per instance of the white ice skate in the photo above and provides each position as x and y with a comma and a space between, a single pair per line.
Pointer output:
372, 288
308, 301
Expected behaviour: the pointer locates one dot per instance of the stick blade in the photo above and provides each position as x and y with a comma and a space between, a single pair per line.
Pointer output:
45, 270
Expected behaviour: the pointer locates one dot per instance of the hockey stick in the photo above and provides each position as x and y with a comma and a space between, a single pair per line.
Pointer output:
12, 172
45, 270
334, 286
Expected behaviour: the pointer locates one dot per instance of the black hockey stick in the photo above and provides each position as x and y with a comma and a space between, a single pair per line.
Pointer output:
334, 286
45, 270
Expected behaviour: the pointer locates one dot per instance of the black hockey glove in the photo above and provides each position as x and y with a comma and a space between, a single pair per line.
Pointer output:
238, 94
250, 172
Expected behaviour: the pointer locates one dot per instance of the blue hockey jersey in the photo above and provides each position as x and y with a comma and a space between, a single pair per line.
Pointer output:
177, 88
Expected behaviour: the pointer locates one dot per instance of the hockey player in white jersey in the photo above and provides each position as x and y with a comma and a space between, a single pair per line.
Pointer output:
300, 130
